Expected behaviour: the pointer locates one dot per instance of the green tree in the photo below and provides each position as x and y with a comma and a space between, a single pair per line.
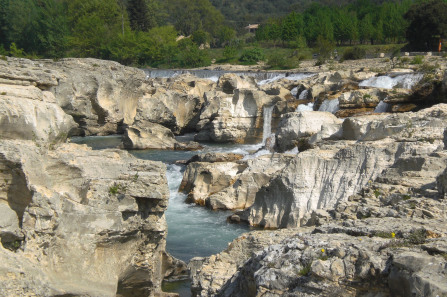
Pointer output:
291, 27
158, 46
191, 56
94, 25
189, 16
366, 29
138, 11
427, 24
51, 28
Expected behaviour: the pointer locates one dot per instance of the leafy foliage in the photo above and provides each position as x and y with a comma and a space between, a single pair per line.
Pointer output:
428, 23
251, 56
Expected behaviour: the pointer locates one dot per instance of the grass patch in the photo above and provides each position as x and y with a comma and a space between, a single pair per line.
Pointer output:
384, 234
417, 60
305, 270
117, 189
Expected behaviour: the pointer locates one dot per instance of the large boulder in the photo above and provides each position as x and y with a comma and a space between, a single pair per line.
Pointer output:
201, 179
297, 127
229, 82
238, 118
80, 222
427, 124
100, 95
241, 194
318, 178
26, 112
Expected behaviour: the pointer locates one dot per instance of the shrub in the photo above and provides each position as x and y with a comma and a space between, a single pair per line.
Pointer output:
277, 60
417, 60
354, 53
191, 56
251, 56
305, 270
229, 52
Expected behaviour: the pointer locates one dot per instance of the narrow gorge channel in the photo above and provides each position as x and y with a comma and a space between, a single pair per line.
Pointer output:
193, 231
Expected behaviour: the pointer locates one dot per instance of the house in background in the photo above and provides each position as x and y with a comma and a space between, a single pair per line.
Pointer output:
252, 28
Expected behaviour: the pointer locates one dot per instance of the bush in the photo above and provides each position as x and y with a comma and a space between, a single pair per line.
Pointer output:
354, 53
229, 52
417, 60
191, 56
200, 37
278, 61
252, 56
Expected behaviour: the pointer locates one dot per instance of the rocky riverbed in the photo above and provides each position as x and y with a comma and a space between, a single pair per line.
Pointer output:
348, 163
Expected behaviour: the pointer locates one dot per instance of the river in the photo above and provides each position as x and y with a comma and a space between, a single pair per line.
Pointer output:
193, 231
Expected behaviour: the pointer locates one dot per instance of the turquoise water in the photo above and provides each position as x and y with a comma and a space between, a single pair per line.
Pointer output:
193, 231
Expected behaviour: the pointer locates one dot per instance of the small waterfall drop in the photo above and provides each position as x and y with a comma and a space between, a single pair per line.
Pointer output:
406, 81
305, 107
330, 106
267, 128
382, 107
303, 94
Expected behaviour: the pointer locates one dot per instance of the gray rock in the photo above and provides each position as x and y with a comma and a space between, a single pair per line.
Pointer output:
92, 221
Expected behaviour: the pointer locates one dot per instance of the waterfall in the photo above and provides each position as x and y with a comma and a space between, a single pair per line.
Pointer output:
267, 129
305, 107
330, 106
406, 81
303, 94
382, 107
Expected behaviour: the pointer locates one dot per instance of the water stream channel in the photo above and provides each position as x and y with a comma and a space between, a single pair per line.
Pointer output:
192, 230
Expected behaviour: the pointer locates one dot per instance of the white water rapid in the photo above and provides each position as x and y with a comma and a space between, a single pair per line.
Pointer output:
305, 107
330, 106
405, 81
382, 107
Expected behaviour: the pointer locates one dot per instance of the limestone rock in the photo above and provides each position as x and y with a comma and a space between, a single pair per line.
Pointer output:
363, 98
296, 127
229, 82
151, 136
216, 157
318, 179
241, 194
91, 222
201, 179
28, 113
237, 119
427, 124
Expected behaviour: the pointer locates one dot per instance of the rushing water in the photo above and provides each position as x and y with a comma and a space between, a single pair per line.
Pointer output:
382, 107
263, 77
192, 230
330, 106
305, 107
406, 81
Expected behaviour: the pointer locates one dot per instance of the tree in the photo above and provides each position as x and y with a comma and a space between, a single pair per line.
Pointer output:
139, 15
427, 24
291, 26
189, 16
51, 28
94, 25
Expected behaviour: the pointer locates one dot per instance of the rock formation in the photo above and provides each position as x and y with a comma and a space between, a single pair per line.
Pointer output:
86, 222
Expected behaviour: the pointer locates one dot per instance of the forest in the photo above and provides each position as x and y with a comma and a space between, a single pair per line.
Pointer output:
149, 32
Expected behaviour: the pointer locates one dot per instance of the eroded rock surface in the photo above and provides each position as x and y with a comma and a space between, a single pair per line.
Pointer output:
82, 222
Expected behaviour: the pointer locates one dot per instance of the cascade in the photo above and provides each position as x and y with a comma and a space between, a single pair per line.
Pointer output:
267, 129
214, 75
406, 81
382, 107
330, 106
303, 94
305, 107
